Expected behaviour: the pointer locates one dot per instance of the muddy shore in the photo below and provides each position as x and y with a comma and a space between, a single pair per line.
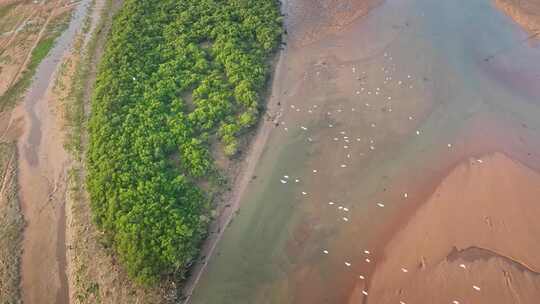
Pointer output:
526, 13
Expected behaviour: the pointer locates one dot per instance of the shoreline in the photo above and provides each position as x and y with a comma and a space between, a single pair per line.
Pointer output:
242, 177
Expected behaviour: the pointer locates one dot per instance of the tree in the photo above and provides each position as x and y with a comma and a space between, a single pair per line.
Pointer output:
174, 73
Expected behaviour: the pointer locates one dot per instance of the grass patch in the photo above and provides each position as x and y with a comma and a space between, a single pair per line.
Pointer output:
11, 225
53, 31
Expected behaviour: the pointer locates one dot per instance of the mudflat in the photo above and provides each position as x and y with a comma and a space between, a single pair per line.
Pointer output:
473, 240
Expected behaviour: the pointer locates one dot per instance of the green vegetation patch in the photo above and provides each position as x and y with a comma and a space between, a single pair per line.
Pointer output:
148, 147
11, 225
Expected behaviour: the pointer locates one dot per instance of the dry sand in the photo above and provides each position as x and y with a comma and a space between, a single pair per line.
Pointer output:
479, 228
526, 13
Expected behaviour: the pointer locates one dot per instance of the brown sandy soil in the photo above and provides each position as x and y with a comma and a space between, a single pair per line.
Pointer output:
478, 229
526, 13
11, 225
10, 129
16, 41
315, 19
21, 28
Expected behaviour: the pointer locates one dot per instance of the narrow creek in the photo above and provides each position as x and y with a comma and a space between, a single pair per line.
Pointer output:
373, 117
43, 164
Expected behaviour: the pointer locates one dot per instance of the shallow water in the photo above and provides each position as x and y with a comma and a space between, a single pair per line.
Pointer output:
472, 90
41, 176
44, 75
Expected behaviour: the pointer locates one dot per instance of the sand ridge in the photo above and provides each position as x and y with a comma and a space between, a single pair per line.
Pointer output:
474, 239
526, 13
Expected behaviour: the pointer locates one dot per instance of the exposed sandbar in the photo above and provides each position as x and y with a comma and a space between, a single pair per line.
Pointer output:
526, 13
475, 240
